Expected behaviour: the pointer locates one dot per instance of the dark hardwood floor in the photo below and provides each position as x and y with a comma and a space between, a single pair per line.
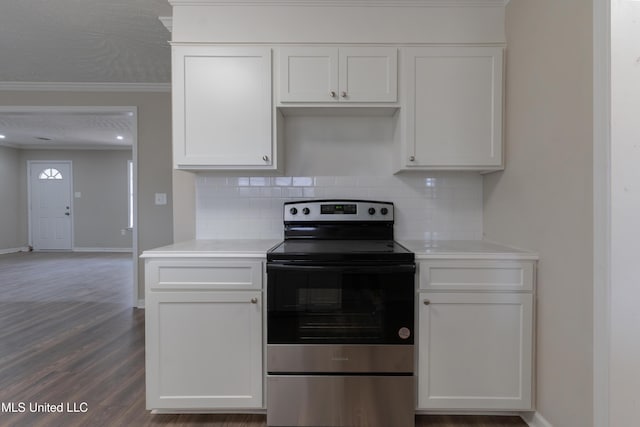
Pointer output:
68, 335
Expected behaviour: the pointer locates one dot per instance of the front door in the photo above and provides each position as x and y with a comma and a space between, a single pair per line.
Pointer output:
50, 205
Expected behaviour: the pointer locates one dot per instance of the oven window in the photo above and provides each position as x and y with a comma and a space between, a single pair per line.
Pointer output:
338, 307
350, 313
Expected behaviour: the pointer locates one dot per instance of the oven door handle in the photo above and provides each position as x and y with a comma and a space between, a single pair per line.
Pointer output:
369, 269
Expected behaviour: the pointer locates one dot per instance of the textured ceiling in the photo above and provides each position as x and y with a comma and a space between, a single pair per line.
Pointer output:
79, 41
84, 41
65, 129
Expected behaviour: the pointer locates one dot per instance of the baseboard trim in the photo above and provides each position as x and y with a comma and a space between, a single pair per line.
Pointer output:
14, 250
534, 419
76, 249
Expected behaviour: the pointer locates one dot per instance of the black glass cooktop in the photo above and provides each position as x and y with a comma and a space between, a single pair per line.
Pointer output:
339, 250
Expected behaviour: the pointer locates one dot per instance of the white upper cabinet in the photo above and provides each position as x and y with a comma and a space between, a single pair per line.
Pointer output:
309, 74
453, 111
222, 108
331, 74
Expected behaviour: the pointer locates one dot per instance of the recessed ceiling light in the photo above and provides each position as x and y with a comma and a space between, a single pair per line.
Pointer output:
2, 136
119, 137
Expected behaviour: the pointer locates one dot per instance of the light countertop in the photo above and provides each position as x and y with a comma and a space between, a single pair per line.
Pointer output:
467, 249
232, 248
424, 249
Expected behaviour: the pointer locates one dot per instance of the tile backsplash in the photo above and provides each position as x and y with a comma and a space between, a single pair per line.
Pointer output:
439, 206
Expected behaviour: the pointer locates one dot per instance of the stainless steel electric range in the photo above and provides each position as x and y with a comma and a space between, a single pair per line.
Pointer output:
340, 322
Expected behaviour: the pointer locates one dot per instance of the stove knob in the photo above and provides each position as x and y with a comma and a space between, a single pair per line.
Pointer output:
372, 211
293, 211
306, 211
384, 211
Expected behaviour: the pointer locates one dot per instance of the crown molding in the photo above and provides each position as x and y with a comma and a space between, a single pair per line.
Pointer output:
101, 147
167, 21
344, 3
8, 145
85, 87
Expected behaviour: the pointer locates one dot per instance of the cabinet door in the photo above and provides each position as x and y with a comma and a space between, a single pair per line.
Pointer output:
475, 351
308, 74
454, 108
204, 350
222, 109
368, 74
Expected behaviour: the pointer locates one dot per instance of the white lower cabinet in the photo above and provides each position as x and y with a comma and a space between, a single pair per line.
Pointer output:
203, 347
475, 350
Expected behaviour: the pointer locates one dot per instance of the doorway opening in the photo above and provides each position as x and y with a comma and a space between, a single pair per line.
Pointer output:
49, 140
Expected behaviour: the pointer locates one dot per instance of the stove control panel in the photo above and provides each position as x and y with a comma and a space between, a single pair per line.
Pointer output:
338, 210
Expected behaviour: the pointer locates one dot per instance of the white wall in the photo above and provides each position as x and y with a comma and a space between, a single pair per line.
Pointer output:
335, 22
625, 213
543, 200
10, 237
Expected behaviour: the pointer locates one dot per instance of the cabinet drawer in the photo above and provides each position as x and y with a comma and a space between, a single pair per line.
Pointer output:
199, 275
476, 275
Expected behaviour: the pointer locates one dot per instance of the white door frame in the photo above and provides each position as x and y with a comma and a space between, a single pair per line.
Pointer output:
137, 301
601, 210
30, 165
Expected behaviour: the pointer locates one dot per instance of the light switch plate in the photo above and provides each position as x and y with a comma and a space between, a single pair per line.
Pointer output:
161, 198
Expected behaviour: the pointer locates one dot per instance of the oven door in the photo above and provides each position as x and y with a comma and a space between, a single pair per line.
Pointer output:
340, 304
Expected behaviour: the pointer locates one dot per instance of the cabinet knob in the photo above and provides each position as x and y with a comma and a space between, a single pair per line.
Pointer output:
332, 93
254, 300
343, 94
412, 158
426, 302
265, 158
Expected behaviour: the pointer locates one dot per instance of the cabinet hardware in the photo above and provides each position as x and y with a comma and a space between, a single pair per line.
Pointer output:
343, 94
426, 302
265, 158
412, 158
332, 94
254, 300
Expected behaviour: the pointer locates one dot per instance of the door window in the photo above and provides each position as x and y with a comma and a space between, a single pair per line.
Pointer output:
50, 173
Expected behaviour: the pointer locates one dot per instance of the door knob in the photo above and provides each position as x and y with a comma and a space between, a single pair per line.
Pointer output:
254, 300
